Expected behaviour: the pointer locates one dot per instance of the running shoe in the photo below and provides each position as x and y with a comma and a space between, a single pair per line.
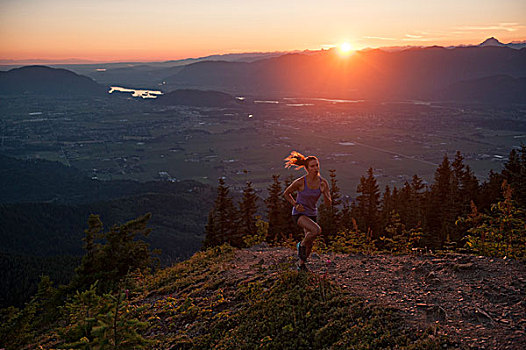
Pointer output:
302, 268
302, 252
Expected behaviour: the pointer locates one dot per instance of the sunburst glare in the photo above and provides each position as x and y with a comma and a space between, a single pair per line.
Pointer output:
345, 48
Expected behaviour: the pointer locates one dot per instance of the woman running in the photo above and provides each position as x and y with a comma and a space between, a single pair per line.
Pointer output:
304, 211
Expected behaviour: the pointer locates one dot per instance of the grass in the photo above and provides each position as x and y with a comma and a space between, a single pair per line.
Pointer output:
196, 304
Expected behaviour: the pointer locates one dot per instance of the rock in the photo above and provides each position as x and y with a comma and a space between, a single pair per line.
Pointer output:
460, 267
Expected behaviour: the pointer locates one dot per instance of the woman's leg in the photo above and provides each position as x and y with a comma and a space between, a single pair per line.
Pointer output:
312, 230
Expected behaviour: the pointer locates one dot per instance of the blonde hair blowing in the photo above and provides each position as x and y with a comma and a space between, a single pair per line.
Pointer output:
298, 160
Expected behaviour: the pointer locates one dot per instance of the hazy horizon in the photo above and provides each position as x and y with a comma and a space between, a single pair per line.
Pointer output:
132, 31
76, 60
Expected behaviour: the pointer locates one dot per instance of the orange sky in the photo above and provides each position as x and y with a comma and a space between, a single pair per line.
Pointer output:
132, 30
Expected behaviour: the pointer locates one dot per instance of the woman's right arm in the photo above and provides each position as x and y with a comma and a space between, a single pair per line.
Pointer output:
289, 190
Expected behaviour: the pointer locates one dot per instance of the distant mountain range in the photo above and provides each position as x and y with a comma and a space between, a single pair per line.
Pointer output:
418, 73
495, 42
489, 72
42, 80
138, 74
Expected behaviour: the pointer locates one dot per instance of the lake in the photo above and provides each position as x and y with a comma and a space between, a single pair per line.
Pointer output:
137, 92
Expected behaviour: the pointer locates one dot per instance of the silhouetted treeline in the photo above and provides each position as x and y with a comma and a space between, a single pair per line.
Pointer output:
416, 214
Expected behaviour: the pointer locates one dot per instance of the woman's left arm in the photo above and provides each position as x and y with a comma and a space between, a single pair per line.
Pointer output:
326, 192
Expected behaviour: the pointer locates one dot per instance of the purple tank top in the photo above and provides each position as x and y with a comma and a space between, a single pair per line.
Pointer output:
308, 198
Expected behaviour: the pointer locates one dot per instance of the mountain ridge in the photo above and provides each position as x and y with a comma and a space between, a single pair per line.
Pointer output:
414, 73
43, 80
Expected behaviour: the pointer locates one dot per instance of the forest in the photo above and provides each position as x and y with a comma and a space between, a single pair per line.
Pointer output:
456, 212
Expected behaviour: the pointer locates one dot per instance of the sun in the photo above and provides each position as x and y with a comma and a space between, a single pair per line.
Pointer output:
345, 48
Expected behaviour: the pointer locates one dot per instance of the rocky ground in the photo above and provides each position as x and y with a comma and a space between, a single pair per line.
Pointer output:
478, 301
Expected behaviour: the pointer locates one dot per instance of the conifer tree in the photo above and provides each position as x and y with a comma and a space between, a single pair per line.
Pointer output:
88, 266
395, 199
211, 238
470, 186
514, 173
274, 210
221, 226
457, 182
417, 202
330, 216
247, 211
346, 222
464, 187
386, 205
368, 201
118, 253
102, 322
116, 327
440, 211
490, 192
393, 238
404, 207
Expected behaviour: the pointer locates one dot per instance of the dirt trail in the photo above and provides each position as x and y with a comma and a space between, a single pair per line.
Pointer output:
479, 301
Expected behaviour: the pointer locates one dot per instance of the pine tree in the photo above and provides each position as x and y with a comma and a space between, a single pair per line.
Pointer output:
512, 168
275, 218
247, 212
102, 322
368, 202
490, 192
329, 216
440, 211
221, 225
211, 238
514, 173
119, 253
394, 238
89, 267
417, 202
457, 183
470, 186
386, 205
464, 191
404, 208
116, 327
346, 222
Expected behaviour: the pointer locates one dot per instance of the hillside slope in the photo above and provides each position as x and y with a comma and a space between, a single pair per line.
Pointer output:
253, 298
478, 300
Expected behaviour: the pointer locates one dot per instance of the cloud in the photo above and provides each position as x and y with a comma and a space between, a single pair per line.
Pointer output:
379, 38
507, 27
417, 39
410, 36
